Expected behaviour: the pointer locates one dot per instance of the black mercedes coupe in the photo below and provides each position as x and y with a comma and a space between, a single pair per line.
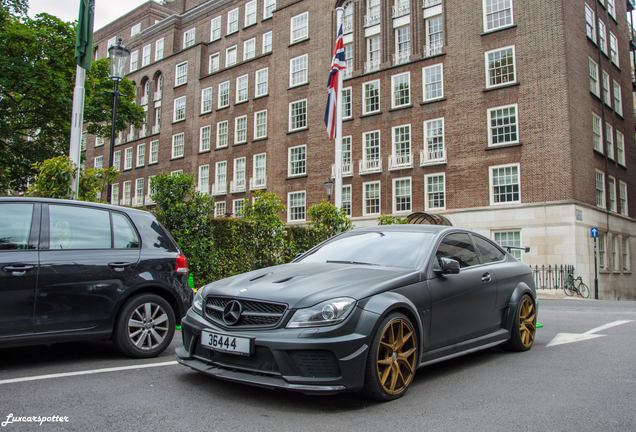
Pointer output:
362, 311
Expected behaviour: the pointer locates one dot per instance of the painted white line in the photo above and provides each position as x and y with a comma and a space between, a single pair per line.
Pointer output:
87, 372
607, 326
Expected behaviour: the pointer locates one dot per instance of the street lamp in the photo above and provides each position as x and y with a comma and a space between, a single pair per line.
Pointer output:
329, 188
118, 55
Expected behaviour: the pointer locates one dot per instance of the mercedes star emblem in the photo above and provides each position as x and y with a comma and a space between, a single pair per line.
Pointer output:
232, 312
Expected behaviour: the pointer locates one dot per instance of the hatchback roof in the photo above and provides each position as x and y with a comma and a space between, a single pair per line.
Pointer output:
74, 202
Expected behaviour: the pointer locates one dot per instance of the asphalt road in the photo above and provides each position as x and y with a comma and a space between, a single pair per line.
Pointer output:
583, 386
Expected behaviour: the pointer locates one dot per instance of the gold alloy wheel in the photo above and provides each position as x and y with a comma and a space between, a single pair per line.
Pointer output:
527, 322
396, 357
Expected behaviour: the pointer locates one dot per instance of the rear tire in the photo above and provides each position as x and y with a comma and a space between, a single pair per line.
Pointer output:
524, 325
145, 326
568, 289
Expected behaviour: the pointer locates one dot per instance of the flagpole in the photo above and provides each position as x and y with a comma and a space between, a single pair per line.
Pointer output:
77, 121
338, 140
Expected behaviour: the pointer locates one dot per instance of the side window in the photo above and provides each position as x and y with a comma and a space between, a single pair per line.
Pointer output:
15, 225
124, 235
73, 227
488, 252
459, 247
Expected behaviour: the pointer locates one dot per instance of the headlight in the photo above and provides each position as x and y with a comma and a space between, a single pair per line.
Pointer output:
197, 302
323, 314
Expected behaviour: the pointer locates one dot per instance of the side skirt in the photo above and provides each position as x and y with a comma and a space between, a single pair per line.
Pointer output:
465, 347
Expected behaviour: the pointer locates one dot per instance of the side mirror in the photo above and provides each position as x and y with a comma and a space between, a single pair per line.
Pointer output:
447, 266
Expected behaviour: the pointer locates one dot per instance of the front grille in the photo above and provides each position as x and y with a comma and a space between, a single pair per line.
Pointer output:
254, 313
317, 364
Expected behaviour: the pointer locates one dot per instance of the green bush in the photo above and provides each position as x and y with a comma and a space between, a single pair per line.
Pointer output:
233, 251
327, 221
391, 220
268, 238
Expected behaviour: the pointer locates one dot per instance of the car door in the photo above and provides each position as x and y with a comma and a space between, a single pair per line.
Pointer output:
491, 258
458, 300
89, 261
19, 231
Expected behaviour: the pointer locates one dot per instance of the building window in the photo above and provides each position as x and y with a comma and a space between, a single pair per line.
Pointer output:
371, 198
618, 99
179, 109
127, 193
145, 56
374, 53
625, 253
249, 49
497, 14
597, 133
230, 56
260, 124
299, 27
595, 85
114, 194
178, 145
223, 95
402, 44
238, 180
607, 96
502, 125
348, 71
374, 13
505, 186
402, 195
215, 29
221, 134
203, 184
139, 191
269, 6
128, 158
346, 156
346, 103
371, 155
346, 199
204, 138
611, 8
298, 70
620, 148
601, 250
250, 13
134, 60
238, 207
622, 198
262, 83
296, 205
371, 94
267, 42
206, 100
189, 38
609, 140
500, 67
433, 80
611, 187
613, 252
297, 161
242, 84
401, 85
153, 157
135, 30
298, 115
259, 171
240, 130
434, 150
613, 46
232, 21
159, 49
600, 189
181, 74
509, 239
602, 36
98, 162
220, 178
401, 154
117, 160
434, 35
219, 208
141, 155
435, 191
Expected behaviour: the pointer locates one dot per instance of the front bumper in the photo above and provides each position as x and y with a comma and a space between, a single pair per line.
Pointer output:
321, 360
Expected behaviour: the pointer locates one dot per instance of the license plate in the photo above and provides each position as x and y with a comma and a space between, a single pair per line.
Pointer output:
226, 343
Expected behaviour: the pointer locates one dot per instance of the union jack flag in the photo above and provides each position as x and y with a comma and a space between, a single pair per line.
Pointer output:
337, 64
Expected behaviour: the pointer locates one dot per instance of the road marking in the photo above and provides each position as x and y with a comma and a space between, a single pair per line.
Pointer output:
87, 372
565, 338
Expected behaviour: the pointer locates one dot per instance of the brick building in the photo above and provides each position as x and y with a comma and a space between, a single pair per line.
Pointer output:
513, 118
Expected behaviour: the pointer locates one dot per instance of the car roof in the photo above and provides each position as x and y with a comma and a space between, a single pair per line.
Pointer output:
435, 229
74, 202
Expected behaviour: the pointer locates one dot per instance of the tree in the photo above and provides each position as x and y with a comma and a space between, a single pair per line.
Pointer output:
392, 220
269, 231
13, 7
37, 77
327, 221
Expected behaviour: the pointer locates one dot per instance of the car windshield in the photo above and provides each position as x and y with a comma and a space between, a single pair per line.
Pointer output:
387, 249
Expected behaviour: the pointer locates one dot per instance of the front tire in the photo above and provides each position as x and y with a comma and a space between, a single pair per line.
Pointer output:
145, 326
584, 290
524, 325
392, 359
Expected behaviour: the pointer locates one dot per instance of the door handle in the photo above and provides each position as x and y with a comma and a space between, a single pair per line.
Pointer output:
18, 270
486, 278
119, 265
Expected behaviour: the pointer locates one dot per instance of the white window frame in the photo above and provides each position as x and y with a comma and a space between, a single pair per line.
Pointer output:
232, 22
611, 190
599, 137
295, 67
175, 137
485, 19
427, 178
201, 187
618, 98
140, 160
613, 49
206, 99
135, 30
203, 131
623, 196
347, 103
146, 55
238, 120
258, 114
425, 83
134, 60
214, 60
234, 50
489, 120
292, 28
595, 81
603, 191
289, 207
268, 9
187, 40
242, 92
159, 45
216, 24
491, 185
222, 139
394, 195
620, 148
221, 93
178, 109
247, 52
258, 81
128, 158
289, 161
364, 96
364, 198
181, 74
267, 42
290, 129
393, 93
153, 153
487, 66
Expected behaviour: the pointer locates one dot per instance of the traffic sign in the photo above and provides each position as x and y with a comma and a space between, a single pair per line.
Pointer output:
594, 232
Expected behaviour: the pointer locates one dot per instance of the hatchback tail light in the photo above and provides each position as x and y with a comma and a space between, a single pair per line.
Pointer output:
182, 264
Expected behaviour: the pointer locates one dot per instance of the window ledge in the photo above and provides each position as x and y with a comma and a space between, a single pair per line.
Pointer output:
503, 146
298, 85
598, 152
250, 25
223, 108
502, 86
177, 158
205, 113
300, 176
497, 30
432, 101
299, 41
153, 163
371, 114
259, 139
401, 107
297, 131
220, 148
239, 143
181, 85
178, 121
348, 119
204, 151
260, 96
241, 102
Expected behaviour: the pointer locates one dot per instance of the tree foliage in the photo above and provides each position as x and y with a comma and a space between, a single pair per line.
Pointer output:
391, 220
269, 230
327, 221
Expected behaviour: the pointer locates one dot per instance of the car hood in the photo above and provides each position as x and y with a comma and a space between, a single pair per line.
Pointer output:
306, 284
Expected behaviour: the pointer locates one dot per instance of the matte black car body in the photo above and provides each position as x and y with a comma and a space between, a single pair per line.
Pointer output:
49, 295
451, 314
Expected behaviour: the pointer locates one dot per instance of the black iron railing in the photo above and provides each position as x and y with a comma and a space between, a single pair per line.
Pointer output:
551, 277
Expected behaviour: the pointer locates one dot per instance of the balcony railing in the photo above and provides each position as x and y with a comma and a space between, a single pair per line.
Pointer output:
144, 100
131, 134
432, 157
155, 129
400, 162
401, 57
258, 183
371, 66
401, 9
433, 49
345, 168
118, 139
431, 3
237, 186
371, 20
347, 25
218, 189
143, 131
370, 166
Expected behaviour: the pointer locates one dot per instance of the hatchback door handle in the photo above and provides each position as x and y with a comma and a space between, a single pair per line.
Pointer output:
119, 265
486, 277
18, 270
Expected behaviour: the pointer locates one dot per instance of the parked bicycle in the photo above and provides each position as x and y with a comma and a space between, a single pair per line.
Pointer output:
576, 286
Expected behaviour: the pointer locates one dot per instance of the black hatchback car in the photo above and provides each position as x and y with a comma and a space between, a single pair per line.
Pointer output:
72, 270
363, 310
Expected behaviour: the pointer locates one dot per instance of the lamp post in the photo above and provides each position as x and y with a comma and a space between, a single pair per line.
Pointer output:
118, 55
329, 188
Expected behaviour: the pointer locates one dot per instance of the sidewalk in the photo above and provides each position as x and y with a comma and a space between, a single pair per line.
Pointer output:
544, 294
